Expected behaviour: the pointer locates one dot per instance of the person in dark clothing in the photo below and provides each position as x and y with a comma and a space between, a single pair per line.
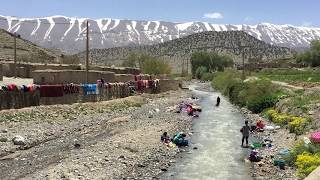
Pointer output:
165, 138
245, 133
218, 101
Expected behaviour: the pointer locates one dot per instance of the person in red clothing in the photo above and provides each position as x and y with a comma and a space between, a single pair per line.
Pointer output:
260, 125
189, 110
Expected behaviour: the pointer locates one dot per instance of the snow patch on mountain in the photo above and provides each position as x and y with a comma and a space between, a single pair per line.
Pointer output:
68, 33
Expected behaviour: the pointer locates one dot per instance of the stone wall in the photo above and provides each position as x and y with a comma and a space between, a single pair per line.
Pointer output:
20, 99
168, 85
70, 76
24, 70
105, 94
124, 77
117, 70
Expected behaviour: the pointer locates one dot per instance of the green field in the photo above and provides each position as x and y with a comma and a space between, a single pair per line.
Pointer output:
291, 75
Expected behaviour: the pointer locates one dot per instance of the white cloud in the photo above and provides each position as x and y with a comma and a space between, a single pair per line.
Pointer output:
248, 19
214, 15
307, 24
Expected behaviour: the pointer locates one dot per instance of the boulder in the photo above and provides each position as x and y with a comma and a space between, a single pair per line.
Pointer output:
18, 140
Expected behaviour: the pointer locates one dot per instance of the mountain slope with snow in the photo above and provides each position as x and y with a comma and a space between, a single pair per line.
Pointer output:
68, 34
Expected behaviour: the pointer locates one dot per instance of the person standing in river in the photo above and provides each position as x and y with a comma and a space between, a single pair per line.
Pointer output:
218, 101
245, 133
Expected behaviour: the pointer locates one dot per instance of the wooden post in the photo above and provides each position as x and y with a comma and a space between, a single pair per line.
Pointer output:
87, 53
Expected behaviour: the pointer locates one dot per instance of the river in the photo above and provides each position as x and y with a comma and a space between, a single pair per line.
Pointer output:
217, 137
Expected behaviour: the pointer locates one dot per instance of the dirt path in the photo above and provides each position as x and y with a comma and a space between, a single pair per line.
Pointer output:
116, 144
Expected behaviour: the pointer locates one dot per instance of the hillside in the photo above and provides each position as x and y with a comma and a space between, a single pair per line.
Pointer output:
26, 51
67, 33
227, 42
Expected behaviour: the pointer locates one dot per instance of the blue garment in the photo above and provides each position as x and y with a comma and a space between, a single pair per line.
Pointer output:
89, 89
179, 140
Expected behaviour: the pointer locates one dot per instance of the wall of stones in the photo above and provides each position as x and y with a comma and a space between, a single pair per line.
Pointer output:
70, 76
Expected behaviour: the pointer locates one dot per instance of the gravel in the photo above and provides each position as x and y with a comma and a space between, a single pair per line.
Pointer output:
115, 139
282, 139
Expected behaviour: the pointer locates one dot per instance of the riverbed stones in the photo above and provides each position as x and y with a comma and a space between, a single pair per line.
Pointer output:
3, 139
19, 140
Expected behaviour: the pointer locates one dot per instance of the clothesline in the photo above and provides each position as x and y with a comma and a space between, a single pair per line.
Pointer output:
59, 90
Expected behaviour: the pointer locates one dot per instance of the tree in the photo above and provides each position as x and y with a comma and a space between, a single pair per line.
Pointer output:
131, 60
150, 65
311, 57
147, 64
200, 72
212, 61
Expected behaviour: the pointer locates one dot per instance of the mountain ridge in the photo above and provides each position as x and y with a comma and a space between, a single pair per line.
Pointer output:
176, 52
67, 33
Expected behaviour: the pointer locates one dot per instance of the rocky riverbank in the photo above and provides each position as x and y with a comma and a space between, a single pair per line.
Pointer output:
281, 139
117, 139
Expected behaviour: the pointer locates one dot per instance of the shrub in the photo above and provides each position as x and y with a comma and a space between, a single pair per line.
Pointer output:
222, 81
258, 104
200, 72
297, 125
234, 93
207, 76
307, 162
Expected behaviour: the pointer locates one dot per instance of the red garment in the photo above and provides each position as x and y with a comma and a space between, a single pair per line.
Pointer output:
12, 87
51, 90
140, 85
260, 124
189, 109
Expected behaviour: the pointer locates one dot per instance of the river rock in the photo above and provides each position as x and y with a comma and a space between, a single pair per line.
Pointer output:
3, 139
19, 140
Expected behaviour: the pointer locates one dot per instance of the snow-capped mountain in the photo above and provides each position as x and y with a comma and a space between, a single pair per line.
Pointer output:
68, 34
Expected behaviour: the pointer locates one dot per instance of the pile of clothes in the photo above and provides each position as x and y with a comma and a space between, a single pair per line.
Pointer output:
190, 108
255, 156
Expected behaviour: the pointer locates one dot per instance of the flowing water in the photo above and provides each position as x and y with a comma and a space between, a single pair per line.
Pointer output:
216, 134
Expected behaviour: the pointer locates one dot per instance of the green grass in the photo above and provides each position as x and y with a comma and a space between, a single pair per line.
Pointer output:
291, 75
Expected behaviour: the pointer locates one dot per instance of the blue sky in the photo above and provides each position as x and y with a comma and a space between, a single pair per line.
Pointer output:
296, 12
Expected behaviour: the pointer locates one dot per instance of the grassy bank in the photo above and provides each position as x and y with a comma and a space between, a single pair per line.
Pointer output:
256, 95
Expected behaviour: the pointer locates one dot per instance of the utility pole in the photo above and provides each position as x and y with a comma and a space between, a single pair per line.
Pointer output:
187, 66
87, 53
15, 54
243, 75
182, 68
